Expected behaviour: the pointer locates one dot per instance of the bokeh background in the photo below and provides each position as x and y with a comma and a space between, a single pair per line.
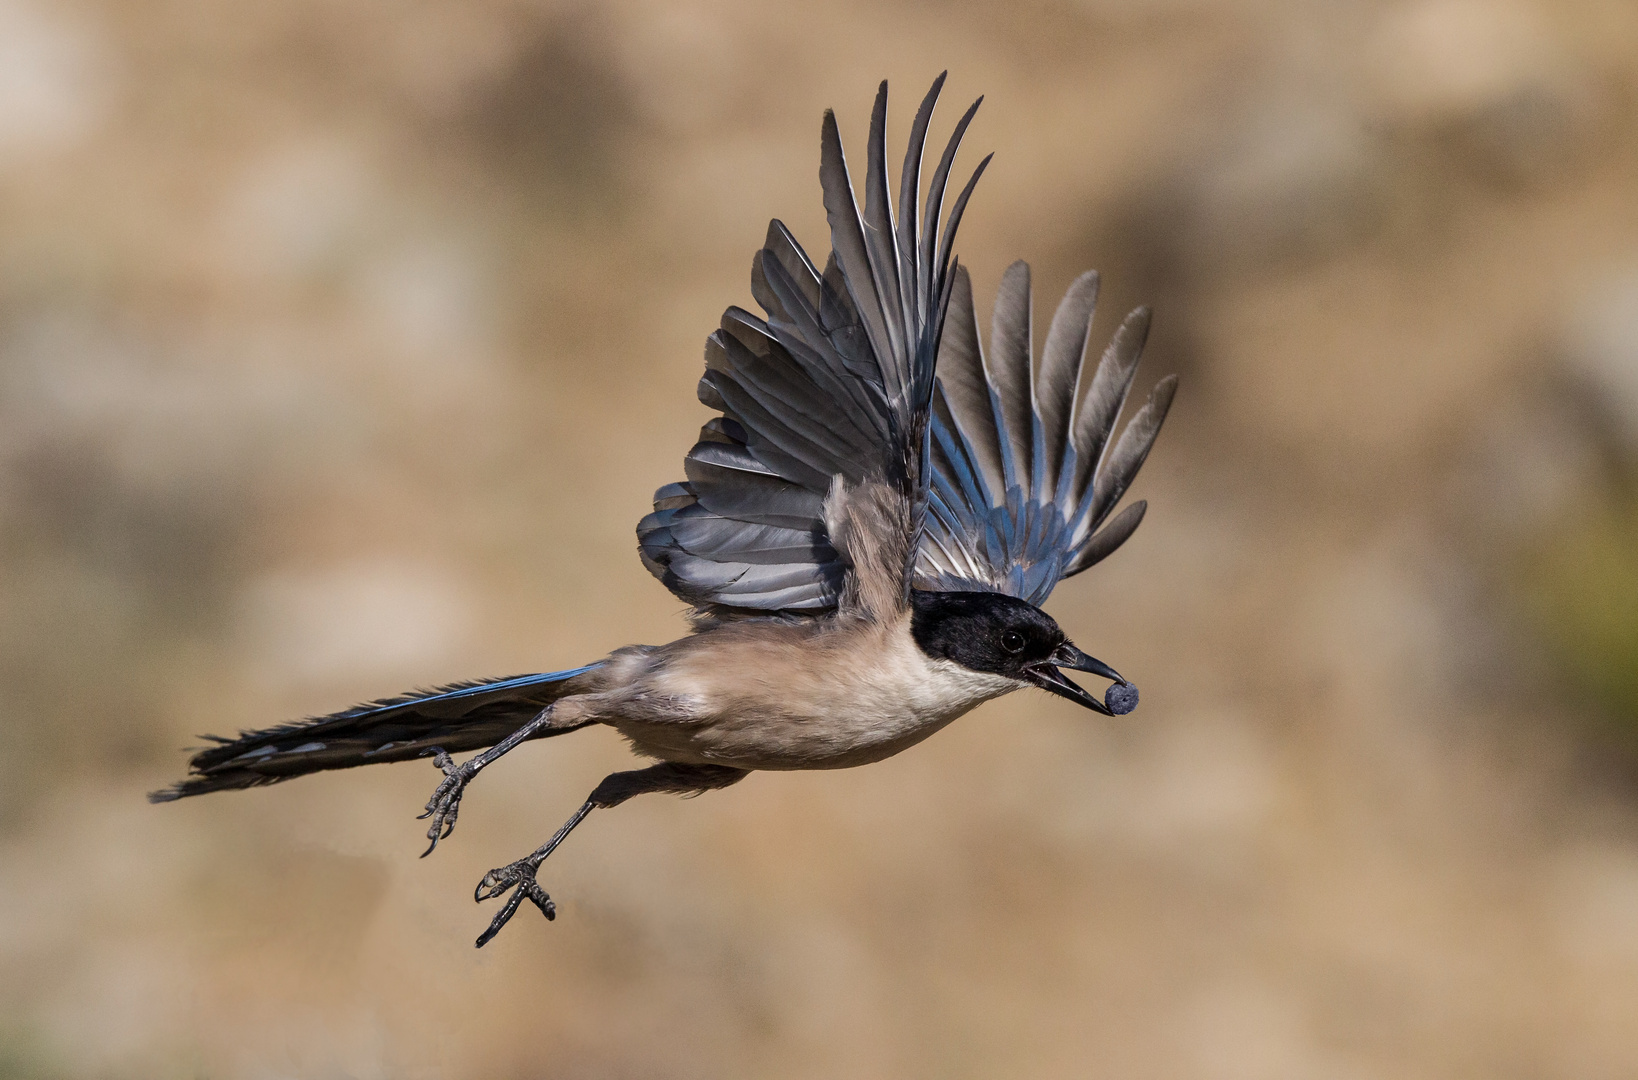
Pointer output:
342, 343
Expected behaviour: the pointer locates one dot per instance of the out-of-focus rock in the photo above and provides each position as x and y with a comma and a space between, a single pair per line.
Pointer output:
1580, 581
1529, 462
1600, 353
1488, 81
1242, 1029
1130, 11
298, 209
428, 300
441, 55
389, 618
1594, 896
55, 81
1287, 181
554, 117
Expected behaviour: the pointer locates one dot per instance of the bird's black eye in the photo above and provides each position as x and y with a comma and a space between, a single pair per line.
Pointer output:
1012, 641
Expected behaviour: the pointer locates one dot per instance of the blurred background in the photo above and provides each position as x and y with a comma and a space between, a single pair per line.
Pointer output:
343, 342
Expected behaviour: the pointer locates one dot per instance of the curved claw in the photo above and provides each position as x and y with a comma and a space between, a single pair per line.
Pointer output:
520, 878
445, 805
440, 758
493, 884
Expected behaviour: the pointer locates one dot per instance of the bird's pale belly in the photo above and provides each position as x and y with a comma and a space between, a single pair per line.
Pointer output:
855, 718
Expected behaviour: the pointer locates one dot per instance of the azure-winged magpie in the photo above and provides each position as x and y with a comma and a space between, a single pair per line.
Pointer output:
865, 534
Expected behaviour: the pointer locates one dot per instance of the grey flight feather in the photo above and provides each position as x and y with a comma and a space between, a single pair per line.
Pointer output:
1009, 370
836, 380
1024, 474
965, 389
1061, 366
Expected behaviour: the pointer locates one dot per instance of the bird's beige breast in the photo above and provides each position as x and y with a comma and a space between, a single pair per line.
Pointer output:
803, 700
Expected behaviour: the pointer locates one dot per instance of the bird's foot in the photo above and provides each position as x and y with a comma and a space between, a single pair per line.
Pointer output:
445, 804
520, 878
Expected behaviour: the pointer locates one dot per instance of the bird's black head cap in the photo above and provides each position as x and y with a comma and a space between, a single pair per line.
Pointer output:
1003, 635
984, 631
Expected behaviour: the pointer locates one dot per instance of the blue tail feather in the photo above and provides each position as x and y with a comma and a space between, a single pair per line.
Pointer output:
456, 717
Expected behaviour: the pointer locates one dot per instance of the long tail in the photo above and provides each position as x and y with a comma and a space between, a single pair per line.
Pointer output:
462, 716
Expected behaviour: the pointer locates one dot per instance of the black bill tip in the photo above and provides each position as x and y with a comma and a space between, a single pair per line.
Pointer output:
1052, 680
1070, 657
1121, 698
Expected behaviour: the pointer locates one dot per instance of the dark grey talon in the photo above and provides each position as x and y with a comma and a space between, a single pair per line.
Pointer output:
520, 878
445, 805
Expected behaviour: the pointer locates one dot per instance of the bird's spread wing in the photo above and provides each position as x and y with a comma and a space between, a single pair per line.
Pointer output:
835, 381
1025, 467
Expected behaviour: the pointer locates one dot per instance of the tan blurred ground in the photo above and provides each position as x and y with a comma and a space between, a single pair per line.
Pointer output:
342, 344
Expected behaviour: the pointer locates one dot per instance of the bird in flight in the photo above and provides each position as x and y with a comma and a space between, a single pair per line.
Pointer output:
865, 535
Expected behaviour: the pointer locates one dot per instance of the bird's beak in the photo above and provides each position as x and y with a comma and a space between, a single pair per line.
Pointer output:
1047, 676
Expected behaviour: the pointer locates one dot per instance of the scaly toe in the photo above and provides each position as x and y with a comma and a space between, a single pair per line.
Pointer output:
527, 888
491, 886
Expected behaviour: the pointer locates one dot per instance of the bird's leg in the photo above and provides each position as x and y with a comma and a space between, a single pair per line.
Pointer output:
445, 804
614, 790
520, 877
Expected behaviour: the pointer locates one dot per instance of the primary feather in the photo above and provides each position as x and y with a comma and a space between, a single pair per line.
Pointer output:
836, 380
1024, 474
872, 370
